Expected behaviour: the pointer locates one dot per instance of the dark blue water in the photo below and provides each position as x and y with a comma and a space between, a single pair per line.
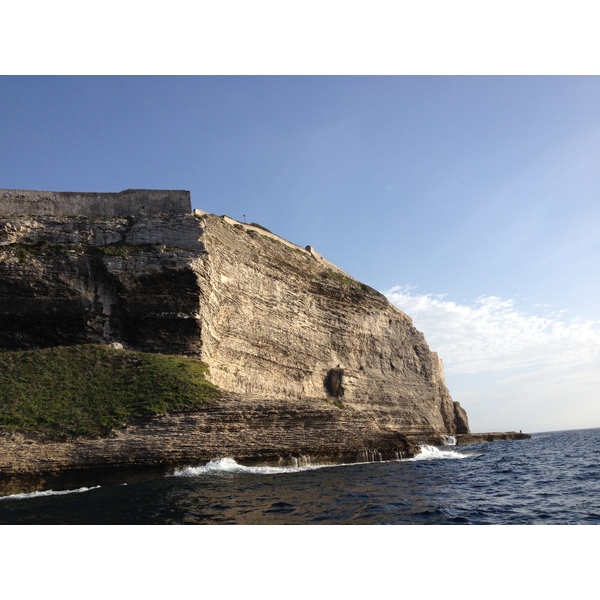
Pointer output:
554, 478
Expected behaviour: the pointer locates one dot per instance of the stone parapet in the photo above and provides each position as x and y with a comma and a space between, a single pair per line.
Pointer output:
86, 204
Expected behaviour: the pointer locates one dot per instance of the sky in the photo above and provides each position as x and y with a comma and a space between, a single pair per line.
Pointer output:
447, 155
472, 202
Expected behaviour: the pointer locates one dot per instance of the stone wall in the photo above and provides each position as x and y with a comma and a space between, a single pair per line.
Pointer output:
69, 204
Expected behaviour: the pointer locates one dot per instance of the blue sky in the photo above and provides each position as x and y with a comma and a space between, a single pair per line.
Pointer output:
473, 202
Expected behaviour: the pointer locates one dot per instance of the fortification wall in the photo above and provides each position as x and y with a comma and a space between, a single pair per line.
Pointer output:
91, 204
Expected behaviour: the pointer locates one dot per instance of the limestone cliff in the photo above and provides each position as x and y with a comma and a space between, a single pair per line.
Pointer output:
310, 360
278, 321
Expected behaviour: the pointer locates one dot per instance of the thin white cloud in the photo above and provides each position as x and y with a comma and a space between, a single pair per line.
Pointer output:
511, 370
490, 334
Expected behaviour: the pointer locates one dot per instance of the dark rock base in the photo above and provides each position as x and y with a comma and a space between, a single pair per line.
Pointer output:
478, 438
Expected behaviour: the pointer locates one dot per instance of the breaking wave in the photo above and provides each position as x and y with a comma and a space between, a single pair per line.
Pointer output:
229, 465
434, 453
48, 493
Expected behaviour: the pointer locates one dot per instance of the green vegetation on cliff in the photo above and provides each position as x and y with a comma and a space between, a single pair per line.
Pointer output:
89, 390
26, 251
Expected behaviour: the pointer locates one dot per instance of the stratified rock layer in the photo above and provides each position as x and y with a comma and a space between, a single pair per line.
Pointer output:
75, 281
281, 323
312, 362
253, 430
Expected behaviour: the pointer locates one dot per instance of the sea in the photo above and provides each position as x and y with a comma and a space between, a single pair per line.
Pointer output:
551, 479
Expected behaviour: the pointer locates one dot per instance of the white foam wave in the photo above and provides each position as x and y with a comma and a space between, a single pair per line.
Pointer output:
229, 465
434, 453
48, 493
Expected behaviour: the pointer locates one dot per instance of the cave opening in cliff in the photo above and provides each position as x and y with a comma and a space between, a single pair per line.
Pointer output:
333, 382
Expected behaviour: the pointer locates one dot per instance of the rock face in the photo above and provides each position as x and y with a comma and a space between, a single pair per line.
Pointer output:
82, 280
288, 337
281, 323
499, 436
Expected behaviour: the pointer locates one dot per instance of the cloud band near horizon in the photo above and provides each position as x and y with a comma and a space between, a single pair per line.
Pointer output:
511, 370
491, 334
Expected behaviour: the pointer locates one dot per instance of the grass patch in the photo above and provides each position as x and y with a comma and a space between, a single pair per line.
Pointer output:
335, 401
260, 227
25, 251
122, 249
338, 277
357, 286
87, 391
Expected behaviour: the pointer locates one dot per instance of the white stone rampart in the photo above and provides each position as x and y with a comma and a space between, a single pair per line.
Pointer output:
92, 204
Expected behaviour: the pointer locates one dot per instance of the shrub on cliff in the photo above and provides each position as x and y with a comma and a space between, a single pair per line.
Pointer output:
90, 390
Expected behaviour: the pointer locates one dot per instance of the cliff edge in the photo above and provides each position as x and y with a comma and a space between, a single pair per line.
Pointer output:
310, 362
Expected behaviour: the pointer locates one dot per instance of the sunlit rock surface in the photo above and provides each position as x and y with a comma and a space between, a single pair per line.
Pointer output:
311, 361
